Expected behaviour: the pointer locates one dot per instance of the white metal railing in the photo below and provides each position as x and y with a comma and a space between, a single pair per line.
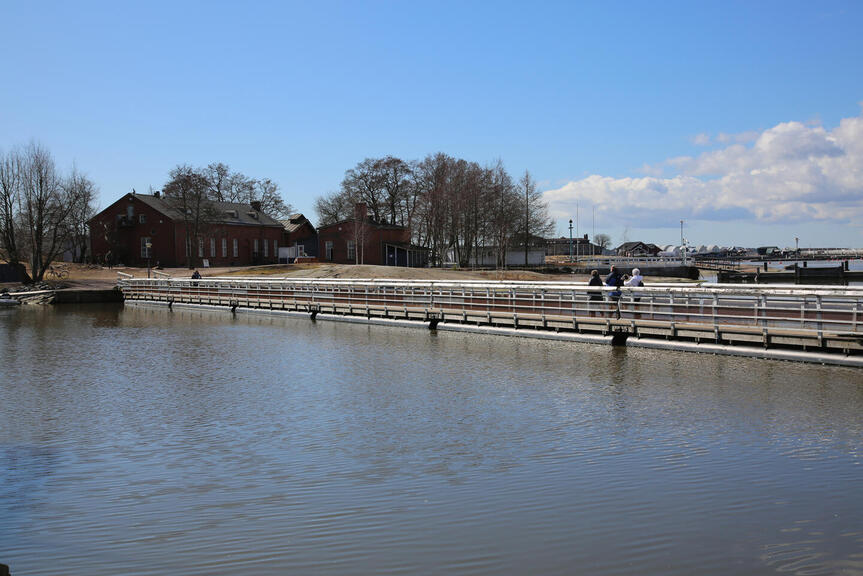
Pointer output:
804, 311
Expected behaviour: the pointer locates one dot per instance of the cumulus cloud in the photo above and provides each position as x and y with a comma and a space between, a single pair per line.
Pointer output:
789, 173
741, 138
701, 139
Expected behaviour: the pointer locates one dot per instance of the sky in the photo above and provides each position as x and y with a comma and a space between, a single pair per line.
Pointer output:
743, 119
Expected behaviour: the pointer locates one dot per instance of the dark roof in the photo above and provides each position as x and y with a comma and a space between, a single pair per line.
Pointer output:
406, 245
368, 222
295, 222
628, 245
232, 213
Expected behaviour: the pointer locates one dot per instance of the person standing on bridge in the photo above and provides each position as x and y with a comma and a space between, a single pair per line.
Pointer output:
636, 281
614, 280
594, 295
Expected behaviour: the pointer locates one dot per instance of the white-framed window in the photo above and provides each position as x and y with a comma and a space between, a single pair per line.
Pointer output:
328, 249
225, 247
212, 247
236, 248
266, 248
352, 250
200, 247
301, 250
146, 246
255, 250
142, 218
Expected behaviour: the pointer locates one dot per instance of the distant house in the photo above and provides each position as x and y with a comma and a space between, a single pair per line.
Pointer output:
580, 247
361, 240
142, 228
638, 249
301, 239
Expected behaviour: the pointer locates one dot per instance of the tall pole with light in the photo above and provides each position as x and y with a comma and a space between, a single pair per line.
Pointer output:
683, 243
149, 245
570, 239
577, 235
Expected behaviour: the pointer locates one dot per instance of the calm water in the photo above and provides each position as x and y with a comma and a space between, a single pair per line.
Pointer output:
140, 441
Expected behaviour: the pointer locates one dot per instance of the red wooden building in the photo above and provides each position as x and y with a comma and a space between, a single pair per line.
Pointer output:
142, 229
361, 240
301, 239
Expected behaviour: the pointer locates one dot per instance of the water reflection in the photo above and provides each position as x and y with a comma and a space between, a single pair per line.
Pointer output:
196, 442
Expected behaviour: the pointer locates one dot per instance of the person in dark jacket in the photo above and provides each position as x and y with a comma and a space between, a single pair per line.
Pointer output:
594, 295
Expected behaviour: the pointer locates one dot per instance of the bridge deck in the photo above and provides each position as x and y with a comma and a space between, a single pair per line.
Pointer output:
802, 317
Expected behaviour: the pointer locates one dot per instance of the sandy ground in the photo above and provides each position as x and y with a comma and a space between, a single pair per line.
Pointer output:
83, 277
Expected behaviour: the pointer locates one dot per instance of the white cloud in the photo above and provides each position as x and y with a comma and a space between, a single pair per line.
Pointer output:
741, 138
791, 172
701, 139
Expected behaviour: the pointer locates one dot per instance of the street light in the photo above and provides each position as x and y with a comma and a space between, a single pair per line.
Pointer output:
683, 243
570, 239
148, 244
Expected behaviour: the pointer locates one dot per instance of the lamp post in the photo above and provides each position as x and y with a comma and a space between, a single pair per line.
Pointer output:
796, 246
148, 245
570, 239
577, 234
683, 243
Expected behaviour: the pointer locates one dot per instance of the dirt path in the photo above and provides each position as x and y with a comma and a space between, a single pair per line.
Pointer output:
81, 276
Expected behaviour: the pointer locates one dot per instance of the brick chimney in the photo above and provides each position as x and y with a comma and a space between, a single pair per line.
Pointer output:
361, 211
256, 205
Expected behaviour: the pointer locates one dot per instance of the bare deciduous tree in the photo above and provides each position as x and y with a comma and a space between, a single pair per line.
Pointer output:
332, 208
602, 240
83, 191
452, 206
188, 191
536, 220
267, 193
46, 203
10, 191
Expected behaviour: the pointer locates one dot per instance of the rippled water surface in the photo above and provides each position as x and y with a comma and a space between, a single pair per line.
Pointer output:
144, 441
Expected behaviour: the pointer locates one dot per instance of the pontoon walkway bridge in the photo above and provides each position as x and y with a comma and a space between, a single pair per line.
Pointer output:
802, 323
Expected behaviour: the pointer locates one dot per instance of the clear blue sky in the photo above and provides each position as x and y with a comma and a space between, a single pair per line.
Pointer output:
597, 100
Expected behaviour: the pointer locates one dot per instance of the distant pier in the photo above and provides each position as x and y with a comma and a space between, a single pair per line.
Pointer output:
798, 274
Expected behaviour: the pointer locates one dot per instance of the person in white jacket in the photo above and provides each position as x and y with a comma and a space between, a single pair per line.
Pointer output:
635, 281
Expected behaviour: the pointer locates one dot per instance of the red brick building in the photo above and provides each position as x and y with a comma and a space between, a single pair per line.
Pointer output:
141, 227
361, 240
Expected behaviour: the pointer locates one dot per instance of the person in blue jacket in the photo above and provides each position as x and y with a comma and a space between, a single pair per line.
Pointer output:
615, 280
